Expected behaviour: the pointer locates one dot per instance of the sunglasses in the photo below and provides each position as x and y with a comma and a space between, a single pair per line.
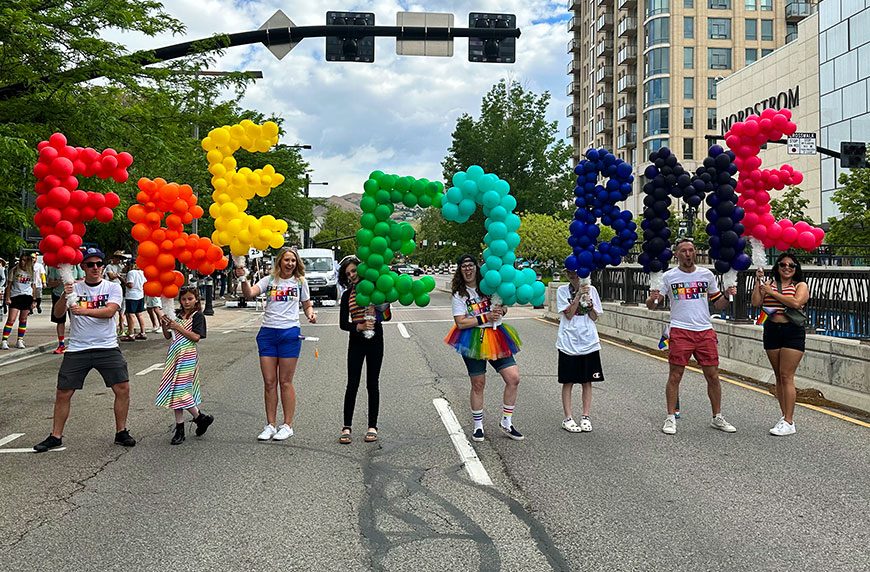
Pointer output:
97, 264
787, 265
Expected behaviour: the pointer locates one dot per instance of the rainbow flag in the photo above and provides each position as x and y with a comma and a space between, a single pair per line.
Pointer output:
762, 317
665, 341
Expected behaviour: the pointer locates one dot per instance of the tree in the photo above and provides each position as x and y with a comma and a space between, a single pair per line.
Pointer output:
439, 236
543, 237
853, 201
339, 223
791, 206
512, 140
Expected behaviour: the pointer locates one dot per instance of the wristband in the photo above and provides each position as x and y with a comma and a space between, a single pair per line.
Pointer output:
716, 296
479, 321
243, 278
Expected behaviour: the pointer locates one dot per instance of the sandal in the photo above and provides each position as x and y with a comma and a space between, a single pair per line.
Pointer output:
140, 337
371, 436
127, 338
345, 438
570, 426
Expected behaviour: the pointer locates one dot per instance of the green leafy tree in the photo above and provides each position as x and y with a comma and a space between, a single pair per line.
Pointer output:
791, 205
853, 201
339, 223
543, 238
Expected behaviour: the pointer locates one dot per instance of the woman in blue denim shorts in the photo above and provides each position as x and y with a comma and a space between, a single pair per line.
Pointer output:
479, 336
278, 340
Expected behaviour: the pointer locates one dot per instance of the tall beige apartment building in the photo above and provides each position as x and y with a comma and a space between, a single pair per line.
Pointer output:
644, 72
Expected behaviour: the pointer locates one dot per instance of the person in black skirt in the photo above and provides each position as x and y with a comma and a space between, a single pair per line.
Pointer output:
365, 344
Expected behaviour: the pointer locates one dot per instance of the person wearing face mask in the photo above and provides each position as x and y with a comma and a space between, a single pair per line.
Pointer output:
479, 337
784, 341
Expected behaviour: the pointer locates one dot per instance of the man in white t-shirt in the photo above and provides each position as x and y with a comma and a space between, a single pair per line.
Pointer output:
38, 281
689, 290
92, 344
135, 304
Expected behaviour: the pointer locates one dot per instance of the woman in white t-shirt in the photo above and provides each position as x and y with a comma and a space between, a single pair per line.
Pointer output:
579, 360
479, 336
279, 339
21, 297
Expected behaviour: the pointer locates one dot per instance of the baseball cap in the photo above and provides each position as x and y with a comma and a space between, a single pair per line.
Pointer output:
93, 253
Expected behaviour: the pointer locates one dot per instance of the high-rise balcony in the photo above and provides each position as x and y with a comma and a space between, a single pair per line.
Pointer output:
573, 5
795, 11
573, 45
626, 4
573, 88
573, 66
604, 2
626, 111
626, 139
627, 83
627, 27
604, 74
627, 54
790, 37
604, 22
569, 111
604, 48
570, 132
573, 23
604, 99
604, 125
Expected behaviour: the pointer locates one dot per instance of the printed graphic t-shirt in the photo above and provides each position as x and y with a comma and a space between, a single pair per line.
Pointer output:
282, 301
688, 293
578, 335
473, 306
137, 279
22, 284
86, 332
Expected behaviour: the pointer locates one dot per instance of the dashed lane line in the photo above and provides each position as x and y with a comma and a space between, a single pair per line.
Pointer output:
467, 454
147, 370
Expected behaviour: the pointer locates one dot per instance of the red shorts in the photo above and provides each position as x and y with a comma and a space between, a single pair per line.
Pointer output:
685, 343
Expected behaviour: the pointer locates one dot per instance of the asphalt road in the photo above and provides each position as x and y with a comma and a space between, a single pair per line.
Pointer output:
624, 497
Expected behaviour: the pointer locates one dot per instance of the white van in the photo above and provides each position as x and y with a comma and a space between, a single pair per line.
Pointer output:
320, 273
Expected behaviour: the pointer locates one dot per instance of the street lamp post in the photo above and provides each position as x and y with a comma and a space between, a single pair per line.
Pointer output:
308, 183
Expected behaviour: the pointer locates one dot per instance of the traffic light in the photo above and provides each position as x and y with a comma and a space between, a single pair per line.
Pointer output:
500, 51
853, 155
350, 48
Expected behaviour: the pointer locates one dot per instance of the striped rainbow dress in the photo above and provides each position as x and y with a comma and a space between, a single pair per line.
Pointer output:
179, 388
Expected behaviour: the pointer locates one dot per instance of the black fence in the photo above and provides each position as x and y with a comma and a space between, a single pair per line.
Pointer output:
825, 255
839, 303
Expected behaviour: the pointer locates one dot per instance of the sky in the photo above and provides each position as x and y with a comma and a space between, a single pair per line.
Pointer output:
396, 114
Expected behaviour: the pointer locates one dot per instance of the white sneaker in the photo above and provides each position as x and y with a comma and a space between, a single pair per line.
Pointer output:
284, 432
783, 428
268, 432
20, 345
5, 345
670, 426
719, 423
586, 424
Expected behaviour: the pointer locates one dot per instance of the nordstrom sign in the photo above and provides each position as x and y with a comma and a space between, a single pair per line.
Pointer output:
783, 100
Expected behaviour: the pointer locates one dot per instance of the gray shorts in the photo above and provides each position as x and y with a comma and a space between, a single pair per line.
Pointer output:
76, 365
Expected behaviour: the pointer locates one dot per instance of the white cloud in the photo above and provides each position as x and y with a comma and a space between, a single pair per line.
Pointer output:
397, 114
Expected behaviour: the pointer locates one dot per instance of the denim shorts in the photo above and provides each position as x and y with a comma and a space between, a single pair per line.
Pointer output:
478, 366
279, 343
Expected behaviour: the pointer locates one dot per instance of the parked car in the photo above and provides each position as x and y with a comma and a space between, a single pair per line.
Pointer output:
407, 269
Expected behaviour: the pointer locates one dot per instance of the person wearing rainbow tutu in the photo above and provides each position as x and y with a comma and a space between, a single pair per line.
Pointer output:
479, 336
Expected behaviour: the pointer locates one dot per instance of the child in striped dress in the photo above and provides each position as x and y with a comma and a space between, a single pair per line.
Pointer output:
179, 388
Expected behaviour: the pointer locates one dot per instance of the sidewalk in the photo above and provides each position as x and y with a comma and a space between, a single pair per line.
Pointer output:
41, 335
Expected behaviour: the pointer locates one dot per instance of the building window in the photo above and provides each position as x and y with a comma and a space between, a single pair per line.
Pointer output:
688, 28
656, 121
751, 55
751, 30
750, 5
719, 28
657, 61
688, 148
711, 118
764, 52
655, 145
711, 87
688, 4
688, 58
719, 4
719, 58
656, 91
654, 7
688, 118
767, 5
767, 30
688, 88
658, 31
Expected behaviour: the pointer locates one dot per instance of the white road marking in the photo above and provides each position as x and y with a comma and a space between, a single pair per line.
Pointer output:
228, 331
403, 330
467, 454
29, 450
154, 367
10, 438
310, 339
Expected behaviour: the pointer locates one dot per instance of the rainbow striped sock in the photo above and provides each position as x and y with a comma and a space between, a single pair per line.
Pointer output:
507, 415
478, 418
22, 327
7, 329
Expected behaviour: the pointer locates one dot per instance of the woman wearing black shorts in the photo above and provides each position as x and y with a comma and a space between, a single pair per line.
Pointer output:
784, 342
21, 296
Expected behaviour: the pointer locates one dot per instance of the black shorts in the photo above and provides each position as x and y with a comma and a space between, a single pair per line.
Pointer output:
135, 306
55, 319
23, 302
76, 365
580, 369
784, 335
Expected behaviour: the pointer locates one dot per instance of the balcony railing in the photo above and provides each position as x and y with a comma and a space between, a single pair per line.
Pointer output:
573, 23
572, 88
604, 48
573, 45
626, 4
627, 139
790, 37
569, 110
628, 82
604, 22
795, 11
627, 54
627, 27
604, 2
626, 111
570, 132
604, 99
604, 74
573, 66
603, 125
573, 5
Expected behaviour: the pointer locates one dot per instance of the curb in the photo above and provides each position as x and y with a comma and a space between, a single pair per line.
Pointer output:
27, 353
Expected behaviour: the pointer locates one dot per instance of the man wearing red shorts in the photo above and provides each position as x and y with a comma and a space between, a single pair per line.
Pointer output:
690, 289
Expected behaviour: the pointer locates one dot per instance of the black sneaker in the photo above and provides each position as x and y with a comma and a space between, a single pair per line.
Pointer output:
202, 422
512, 432
124, 438
51, 442
477, 435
